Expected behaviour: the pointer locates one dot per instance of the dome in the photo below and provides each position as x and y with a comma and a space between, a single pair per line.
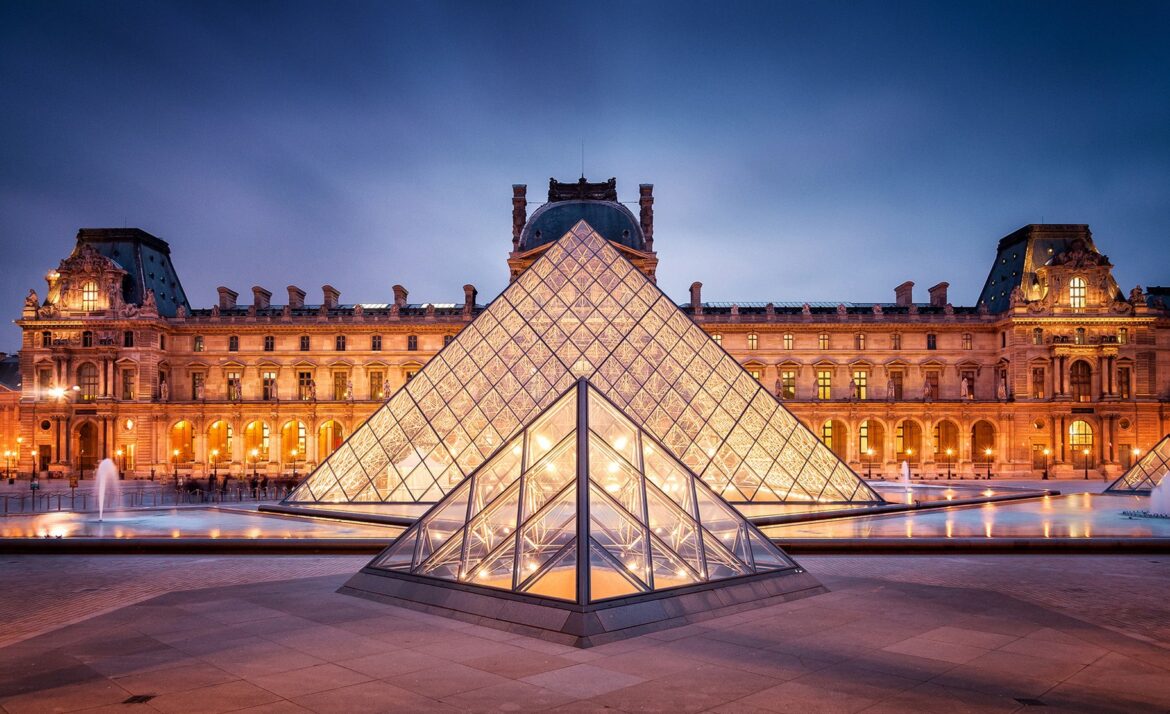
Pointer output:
612, 220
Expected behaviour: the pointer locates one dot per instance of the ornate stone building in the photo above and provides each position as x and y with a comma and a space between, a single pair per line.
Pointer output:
1054, 368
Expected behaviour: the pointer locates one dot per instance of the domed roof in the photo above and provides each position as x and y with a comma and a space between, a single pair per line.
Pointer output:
612, 220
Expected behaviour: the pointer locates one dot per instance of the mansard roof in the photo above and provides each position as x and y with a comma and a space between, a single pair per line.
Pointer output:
146, 258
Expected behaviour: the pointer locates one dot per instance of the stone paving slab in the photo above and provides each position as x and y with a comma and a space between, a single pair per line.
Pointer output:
895, 634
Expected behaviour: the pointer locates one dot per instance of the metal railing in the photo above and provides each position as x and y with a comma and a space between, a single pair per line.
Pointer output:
161, 496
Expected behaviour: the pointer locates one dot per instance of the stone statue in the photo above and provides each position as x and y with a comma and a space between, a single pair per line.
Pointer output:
312, 389
877, 309
853, 389
926, 395
181, 312
805, 310
779, 390
129, 310
349, 390
272, 391
164, 391
386, 389
965, 388
841, 309
215, 310
890, 390
199, 391
1137, 296
1001, 391
31, 300
148, 302
358, 310
1017, 297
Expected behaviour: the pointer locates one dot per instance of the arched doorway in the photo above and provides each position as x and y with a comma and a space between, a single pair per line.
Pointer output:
835, 435
1080, 443
946, 442
292, 441
908, 441
329, 437
871, 441
182, 443
1080, 381
87, 446
982, 441
219, 442
256, 438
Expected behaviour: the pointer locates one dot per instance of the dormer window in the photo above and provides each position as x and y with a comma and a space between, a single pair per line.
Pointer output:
1076, 293
89, 296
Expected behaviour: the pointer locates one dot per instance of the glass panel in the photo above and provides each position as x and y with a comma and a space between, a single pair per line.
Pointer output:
720, 562
499, 474
548, 532
622, 537
606, 579
400, 556
559, 580
548, 477
496, 523
552, 427
496, 571
669, 569
442, 523
674, 529
669, 477
765, 555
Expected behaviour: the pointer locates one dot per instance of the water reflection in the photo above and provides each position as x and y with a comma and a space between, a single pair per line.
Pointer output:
186, 523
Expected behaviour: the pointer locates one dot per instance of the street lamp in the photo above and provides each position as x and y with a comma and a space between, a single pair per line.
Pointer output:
16, 455
1085, 455
950, 461
1047, 452
255, 459
175, 465
293, 454
8, 465
121, 461
215, 463
987, 453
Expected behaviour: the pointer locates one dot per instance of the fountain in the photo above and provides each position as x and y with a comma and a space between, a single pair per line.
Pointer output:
1160, 498
106, 477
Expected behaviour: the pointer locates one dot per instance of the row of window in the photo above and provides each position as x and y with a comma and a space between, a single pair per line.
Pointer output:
1080, 336
859, 340
340, 343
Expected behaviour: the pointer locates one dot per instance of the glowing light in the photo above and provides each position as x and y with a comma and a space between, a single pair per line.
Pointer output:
543, 442
613, 467
620, 443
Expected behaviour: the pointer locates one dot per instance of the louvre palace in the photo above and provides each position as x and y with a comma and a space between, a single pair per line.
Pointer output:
1053, 370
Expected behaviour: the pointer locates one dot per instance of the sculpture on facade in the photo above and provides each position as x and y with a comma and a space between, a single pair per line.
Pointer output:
164, 391
31, 300
385, 388
779, 390
199, 391
1017, 297
181, 312
890, 389
311, 390
349, 390
149, 306
853, 390
1137, 296
841, 310
1001, 391
965, 388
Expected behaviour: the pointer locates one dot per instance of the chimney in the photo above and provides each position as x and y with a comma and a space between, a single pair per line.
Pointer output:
400, 296
329, 297
938, 294
696, 298
296, 297
646, 203
904, 294
261, 298
469, 293
519, 212
227, 298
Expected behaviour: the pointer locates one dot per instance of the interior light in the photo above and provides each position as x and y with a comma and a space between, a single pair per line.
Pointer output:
619, 443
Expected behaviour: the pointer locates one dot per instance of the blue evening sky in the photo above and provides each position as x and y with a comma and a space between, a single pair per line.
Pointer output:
799, 150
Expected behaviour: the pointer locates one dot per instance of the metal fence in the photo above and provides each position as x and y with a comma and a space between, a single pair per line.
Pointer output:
191, 493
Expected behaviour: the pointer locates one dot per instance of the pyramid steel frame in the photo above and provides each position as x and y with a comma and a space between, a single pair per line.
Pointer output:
1147, 473
581, 310
582, 529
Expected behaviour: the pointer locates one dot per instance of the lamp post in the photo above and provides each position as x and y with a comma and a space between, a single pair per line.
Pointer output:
1085, 462
950, 453
293, 454
255, 459
215, 463
175, 466
121, 460
8, 465
16, 455
987, 453
869, 465
1047, 453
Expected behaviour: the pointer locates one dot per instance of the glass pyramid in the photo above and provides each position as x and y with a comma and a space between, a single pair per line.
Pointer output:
581, 310
1147, 473
582, 506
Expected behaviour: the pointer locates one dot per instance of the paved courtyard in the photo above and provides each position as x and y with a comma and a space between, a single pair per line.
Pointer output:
896, 634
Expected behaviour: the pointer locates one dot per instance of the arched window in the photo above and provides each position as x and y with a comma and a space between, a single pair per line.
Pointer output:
256, 437
87, 379
908, 441
292, 441
89, 296
870, 437
1080, 380
946, 440
982, 440
1076, 293
1080, 441
219, 442
329, 437
182, 443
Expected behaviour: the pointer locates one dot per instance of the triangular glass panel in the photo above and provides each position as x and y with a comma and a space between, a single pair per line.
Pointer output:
608, 579
1149, 471
559, 578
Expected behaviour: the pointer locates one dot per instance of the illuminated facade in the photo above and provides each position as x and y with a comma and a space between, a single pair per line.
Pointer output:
1054, 357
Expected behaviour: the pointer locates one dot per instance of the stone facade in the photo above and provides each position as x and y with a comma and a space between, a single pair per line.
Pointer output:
1054, 356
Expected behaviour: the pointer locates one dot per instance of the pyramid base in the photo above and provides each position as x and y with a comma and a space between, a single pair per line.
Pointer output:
582, 625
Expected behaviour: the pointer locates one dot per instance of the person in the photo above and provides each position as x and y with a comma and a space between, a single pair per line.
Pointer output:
211, 480
255, 485
263, 485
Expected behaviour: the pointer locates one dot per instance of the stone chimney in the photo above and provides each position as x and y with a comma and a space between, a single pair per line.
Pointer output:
696, 298
261, 298
469, 293
400, 296
904, 294
519, 212
330, 297
938, 294
227, 298
296, 297
646, 203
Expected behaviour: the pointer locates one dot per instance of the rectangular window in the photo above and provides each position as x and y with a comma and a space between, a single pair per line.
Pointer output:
412, 343
377, 385
753, 341
198, 344
233, 344
931, 341
128, 338
788, 340
44, 381
376, 343
896, 341
304, 386
268, 385
896, 385
861, 382
410, 374
87, 339
1123, 382
197, 385
233, 386
339, 343
966, 340
823, 341
447, 339
162, 342
755, 373
269, 343
824, 384
304, 343
340, 386
128, 384
1037, 336
1037, 382
788, 384
1123, 335
46, 339
931, 389
859, 341
718, 339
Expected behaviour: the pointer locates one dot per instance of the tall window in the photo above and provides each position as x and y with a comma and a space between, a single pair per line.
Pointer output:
788, 384
755, 372
46, 339
233, 386
256, 439
87, 339
447, 339
340, 386
1037, 335
87, 378
966, 340
823, 341
197, 384
1123, 382
412, 343
718, 339
268, 385
234, 344
304, 385
1076, 293
128, 384
861, 381
1080, 381
931, 341
377, 385
753, 341
89, 296
827, 434
788, 340
824, 383
375, 343
197, 346
863, 437
1123, 335
1080, 440
339, 343
931, 389
304, 343
896, 384
269, 343
859, 341
1038, 382
128, 338
896, 341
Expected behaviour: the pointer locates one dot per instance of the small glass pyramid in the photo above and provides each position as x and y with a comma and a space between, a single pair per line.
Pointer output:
582, 310
582, 506
1147, 473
